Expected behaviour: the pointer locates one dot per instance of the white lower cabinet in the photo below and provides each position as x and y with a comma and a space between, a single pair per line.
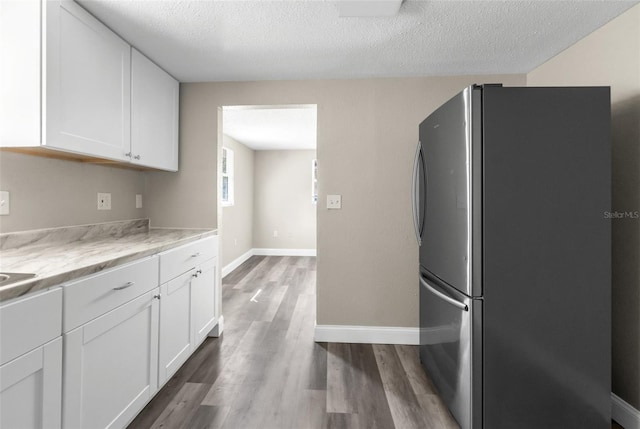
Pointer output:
187, 315
123, 337
111, 365
204, 299
30, 388
188, 302
31, 361
176, 334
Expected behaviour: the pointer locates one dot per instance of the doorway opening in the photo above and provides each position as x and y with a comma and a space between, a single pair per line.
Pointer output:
267, 182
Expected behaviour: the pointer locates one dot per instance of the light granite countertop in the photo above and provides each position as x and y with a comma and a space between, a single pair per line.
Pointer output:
59, 255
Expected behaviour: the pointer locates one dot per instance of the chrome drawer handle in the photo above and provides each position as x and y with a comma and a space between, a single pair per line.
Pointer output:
461, 305
129, 284
195, 255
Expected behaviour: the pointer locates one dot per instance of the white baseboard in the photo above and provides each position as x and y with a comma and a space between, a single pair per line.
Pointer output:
236, 263
623, 413
366, 334
285, 252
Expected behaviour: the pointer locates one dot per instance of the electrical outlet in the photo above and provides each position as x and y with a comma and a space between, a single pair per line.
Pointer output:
138, 201
334, 201
275, 233
4, 203
104, 201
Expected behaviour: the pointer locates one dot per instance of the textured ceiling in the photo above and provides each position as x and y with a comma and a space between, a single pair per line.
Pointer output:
272, 127
238, 40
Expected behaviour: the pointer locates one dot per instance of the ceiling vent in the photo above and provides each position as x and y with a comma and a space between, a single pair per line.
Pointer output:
368, 8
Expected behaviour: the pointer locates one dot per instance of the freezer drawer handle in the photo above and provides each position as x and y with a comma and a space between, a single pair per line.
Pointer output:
444, 297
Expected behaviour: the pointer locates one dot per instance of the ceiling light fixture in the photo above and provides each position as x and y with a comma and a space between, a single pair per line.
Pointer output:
367, 8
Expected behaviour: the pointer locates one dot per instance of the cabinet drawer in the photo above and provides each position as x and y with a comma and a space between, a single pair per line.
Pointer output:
181, 259
92, 296
29, 323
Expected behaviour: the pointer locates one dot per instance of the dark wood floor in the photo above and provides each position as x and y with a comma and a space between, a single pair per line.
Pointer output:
266, 371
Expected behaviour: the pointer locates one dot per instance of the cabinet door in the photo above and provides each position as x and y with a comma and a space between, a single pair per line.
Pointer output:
20, 70
88, 83
154, 115
111, 366
176, 335
204, 300
31, 388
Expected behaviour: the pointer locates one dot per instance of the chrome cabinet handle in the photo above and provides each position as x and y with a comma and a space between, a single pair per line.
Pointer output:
457, 304
128, 154
128, 284
157, 296
137, 157
195, 255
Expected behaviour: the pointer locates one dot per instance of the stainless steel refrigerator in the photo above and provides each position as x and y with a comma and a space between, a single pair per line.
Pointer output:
511, 194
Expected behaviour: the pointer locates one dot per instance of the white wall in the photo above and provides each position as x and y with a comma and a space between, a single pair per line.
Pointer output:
47, 192
236, 227
283, 200
610, 56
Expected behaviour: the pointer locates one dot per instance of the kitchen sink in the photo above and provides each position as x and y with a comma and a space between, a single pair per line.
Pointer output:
9, 278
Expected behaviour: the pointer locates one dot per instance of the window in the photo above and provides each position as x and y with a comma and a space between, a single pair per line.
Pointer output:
314, 181
227, 177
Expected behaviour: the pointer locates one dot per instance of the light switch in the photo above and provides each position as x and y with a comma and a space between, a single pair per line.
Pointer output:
4, 203
138, 201
334, 201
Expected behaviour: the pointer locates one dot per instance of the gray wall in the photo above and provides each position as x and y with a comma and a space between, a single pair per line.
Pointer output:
47, 192
236, 226
282, 200
611, 56
272, 192
367, 134
188, 198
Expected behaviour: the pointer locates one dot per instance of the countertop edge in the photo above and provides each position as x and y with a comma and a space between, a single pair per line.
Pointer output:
36, 284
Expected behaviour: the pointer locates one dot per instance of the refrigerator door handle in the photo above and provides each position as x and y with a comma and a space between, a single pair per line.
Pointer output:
414, 193
457, 304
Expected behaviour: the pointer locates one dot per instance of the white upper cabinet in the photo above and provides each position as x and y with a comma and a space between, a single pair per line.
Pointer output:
20, 73
69, 85
154, 115
88, 83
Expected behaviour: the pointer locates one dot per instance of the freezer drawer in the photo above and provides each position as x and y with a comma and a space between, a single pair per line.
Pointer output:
450, 348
